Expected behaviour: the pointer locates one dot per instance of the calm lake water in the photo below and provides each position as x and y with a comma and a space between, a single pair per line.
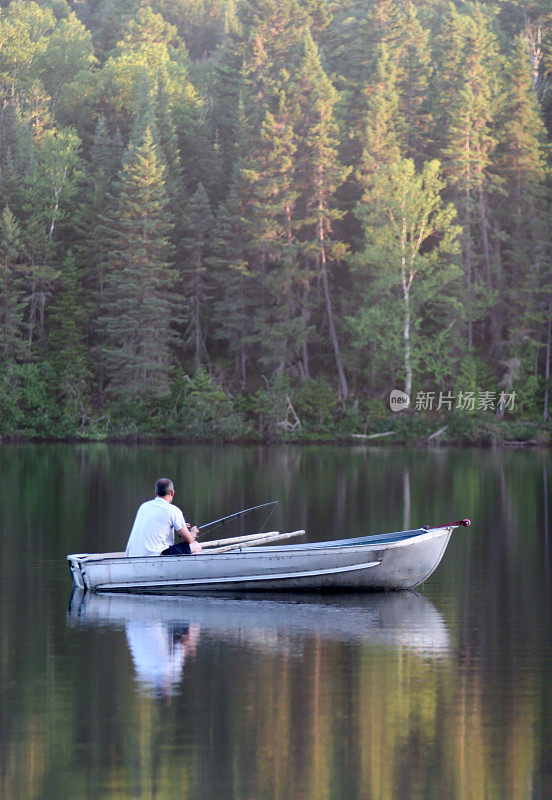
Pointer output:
443, 693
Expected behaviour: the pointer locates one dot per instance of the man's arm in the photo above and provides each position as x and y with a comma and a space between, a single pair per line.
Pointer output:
189, 534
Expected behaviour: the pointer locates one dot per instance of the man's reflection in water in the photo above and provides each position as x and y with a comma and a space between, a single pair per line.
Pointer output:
159, 652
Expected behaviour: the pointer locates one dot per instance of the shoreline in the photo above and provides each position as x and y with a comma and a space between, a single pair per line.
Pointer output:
351, 440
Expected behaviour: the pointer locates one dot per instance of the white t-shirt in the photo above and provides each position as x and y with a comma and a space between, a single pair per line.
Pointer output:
154, 527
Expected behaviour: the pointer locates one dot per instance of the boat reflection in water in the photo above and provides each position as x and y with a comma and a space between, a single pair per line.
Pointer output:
163, 631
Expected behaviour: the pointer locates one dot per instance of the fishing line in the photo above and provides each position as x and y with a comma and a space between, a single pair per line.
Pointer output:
217, 523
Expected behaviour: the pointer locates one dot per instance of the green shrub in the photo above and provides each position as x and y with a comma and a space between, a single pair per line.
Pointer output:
202, 409
27, 401
317, 404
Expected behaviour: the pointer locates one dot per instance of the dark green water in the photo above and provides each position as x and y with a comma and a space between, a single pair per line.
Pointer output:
446, 693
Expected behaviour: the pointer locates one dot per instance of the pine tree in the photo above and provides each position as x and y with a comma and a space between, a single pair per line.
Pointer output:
168, 144
320, 173
469, 122
525, 218
273, 30
144, 115
96, 213
227, 84
398, 45
381, 135
346, 48
98, 204
414, 74
266, 137
523, 161
67, 335
140, 305
114, 18
272, 207
236, 287
17, 158
358, 34
197, 225
12, 290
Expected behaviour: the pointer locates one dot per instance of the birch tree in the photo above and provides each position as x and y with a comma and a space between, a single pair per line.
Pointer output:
412, 230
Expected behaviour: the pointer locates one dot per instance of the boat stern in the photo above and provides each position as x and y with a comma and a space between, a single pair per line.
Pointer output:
75, 567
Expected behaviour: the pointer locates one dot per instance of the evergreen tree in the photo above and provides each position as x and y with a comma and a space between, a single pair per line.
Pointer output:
469, 162
168, 143
97, 203
197, 225
272, 208
266, 136
414, 85
523, 163
227, 85
201, 23
144, 115
381, 137
236, 289
320, 173
524, 213
139, 305
16, 156
97, 212
114, 18
12, 290
67, 345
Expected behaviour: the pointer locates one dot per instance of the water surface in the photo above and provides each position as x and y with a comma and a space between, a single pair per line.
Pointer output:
442, 693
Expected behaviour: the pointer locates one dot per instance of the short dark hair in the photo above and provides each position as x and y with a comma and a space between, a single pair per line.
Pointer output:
163, 487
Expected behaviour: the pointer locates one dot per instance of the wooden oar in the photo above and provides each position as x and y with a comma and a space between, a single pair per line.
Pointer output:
276, 537
237, 539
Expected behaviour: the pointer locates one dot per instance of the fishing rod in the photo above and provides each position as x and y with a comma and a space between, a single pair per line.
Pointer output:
465, 522
237, 515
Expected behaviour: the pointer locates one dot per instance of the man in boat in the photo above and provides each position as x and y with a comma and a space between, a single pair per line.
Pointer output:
156, 523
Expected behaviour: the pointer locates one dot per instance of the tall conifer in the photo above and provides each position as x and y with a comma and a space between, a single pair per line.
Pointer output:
524, 214
471, 115
66, 327
236, 289
197, 225
12, 290
320, 173
139, 306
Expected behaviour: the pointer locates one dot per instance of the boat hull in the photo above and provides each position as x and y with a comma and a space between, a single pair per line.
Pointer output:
391, 561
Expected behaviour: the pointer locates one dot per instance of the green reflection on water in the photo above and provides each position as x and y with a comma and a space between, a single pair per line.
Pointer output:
446, 697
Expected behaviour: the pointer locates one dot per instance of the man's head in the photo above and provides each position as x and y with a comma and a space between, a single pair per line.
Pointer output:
164, 488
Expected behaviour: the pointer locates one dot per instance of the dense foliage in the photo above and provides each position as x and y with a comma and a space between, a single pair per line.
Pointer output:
241, 218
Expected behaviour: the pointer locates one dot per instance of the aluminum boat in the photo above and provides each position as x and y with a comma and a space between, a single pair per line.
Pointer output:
400, 560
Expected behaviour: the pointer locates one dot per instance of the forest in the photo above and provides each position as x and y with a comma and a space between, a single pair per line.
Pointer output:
255, 219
